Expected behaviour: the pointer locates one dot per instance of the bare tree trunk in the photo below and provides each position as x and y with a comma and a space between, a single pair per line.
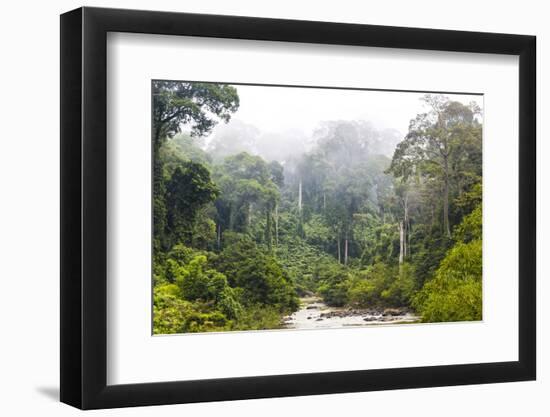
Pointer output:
446, 226
404, 224
409, 253
249, 216
346, 251
324, 202
401, 241
404, 240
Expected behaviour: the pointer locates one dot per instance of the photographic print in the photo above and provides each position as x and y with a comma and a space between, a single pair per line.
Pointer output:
287, 207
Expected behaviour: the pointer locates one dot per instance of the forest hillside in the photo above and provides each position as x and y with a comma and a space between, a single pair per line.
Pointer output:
360, 218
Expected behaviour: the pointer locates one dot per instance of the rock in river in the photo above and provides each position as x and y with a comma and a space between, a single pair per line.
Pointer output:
392, 312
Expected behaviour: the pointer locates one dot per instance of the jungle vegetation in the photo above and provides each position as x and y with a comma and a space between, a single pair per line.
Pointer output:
239, 238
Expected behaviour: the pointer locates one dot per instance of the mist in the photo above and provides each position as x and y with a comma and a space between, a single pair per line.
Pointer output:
277, 123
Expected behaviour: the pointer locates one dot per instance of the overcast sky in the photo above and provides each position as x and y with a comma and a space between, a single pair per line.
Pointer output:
279, 109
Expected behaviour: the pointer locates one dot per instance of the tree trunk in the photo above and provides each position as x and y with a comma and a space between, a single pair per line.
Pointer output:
409, 253
156, 140
346, 251
219, 235
404, 240
446, 226
405, 223
401, 241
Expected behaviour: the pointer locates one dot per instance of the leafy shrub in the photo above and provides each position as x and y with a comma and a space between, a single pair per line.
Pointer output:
258, 274
172, 314
363, 293
455, 293
197, 282
381, 284
299, 260
333, 284
228, 303
169, 310
450, 300
317, 232
258, 317
471, 226
402, 287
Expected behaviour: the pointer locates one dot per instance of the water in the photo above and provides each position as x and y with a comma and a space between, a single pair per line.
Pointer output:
314, 314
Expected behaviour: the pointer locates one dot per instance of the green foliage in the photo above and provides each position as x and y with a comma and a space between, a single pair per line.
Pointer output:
382, 285
469, 200
188, 190
171, 314
169, 310
367, 286
203, 232
248, 194
181, 148
177, 103
471, 226
300, 261
462, 261
455, 292
333, 284
364, 293
317, 232
238, 237
199, 283
227, 301
381, 244
429, 250
443, 146
259, 317
182, 254
450, 300
402, 287
198, 297
258, 274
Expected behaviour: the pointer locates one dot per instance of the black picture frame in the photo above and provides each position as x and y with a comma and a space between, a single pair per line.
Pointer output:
84, 207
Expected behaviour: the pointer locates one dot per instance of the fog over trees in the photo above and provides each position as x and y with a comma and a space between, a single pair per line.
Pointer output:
268, 196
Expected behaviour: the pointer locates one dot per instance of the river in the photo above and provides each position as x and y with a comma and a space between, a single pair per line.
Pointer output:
314, 314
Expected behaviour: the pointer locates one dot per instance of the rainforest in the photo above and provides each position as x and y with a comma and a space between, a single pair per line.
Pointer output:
340, 221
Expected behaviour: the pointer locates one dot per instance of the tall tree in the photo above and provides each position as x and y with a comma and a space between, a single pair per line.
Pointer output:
435, 142
248, 184
175, 104
189, 189
197, 104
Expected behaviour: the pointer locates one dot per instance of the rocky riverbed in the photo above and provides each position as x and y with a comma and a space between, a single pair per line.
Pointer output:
314, 314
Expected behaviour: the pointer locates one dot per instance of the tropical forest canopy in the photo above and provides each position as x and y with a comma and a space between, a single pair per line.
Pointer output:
361, 217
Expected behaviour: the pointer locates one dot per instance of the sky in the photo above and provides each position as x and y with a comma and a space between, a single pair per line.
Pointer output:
280, 109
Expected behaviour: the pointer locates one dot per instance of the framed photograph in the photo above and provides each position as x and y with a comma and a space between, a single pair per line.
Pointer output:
256, 208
